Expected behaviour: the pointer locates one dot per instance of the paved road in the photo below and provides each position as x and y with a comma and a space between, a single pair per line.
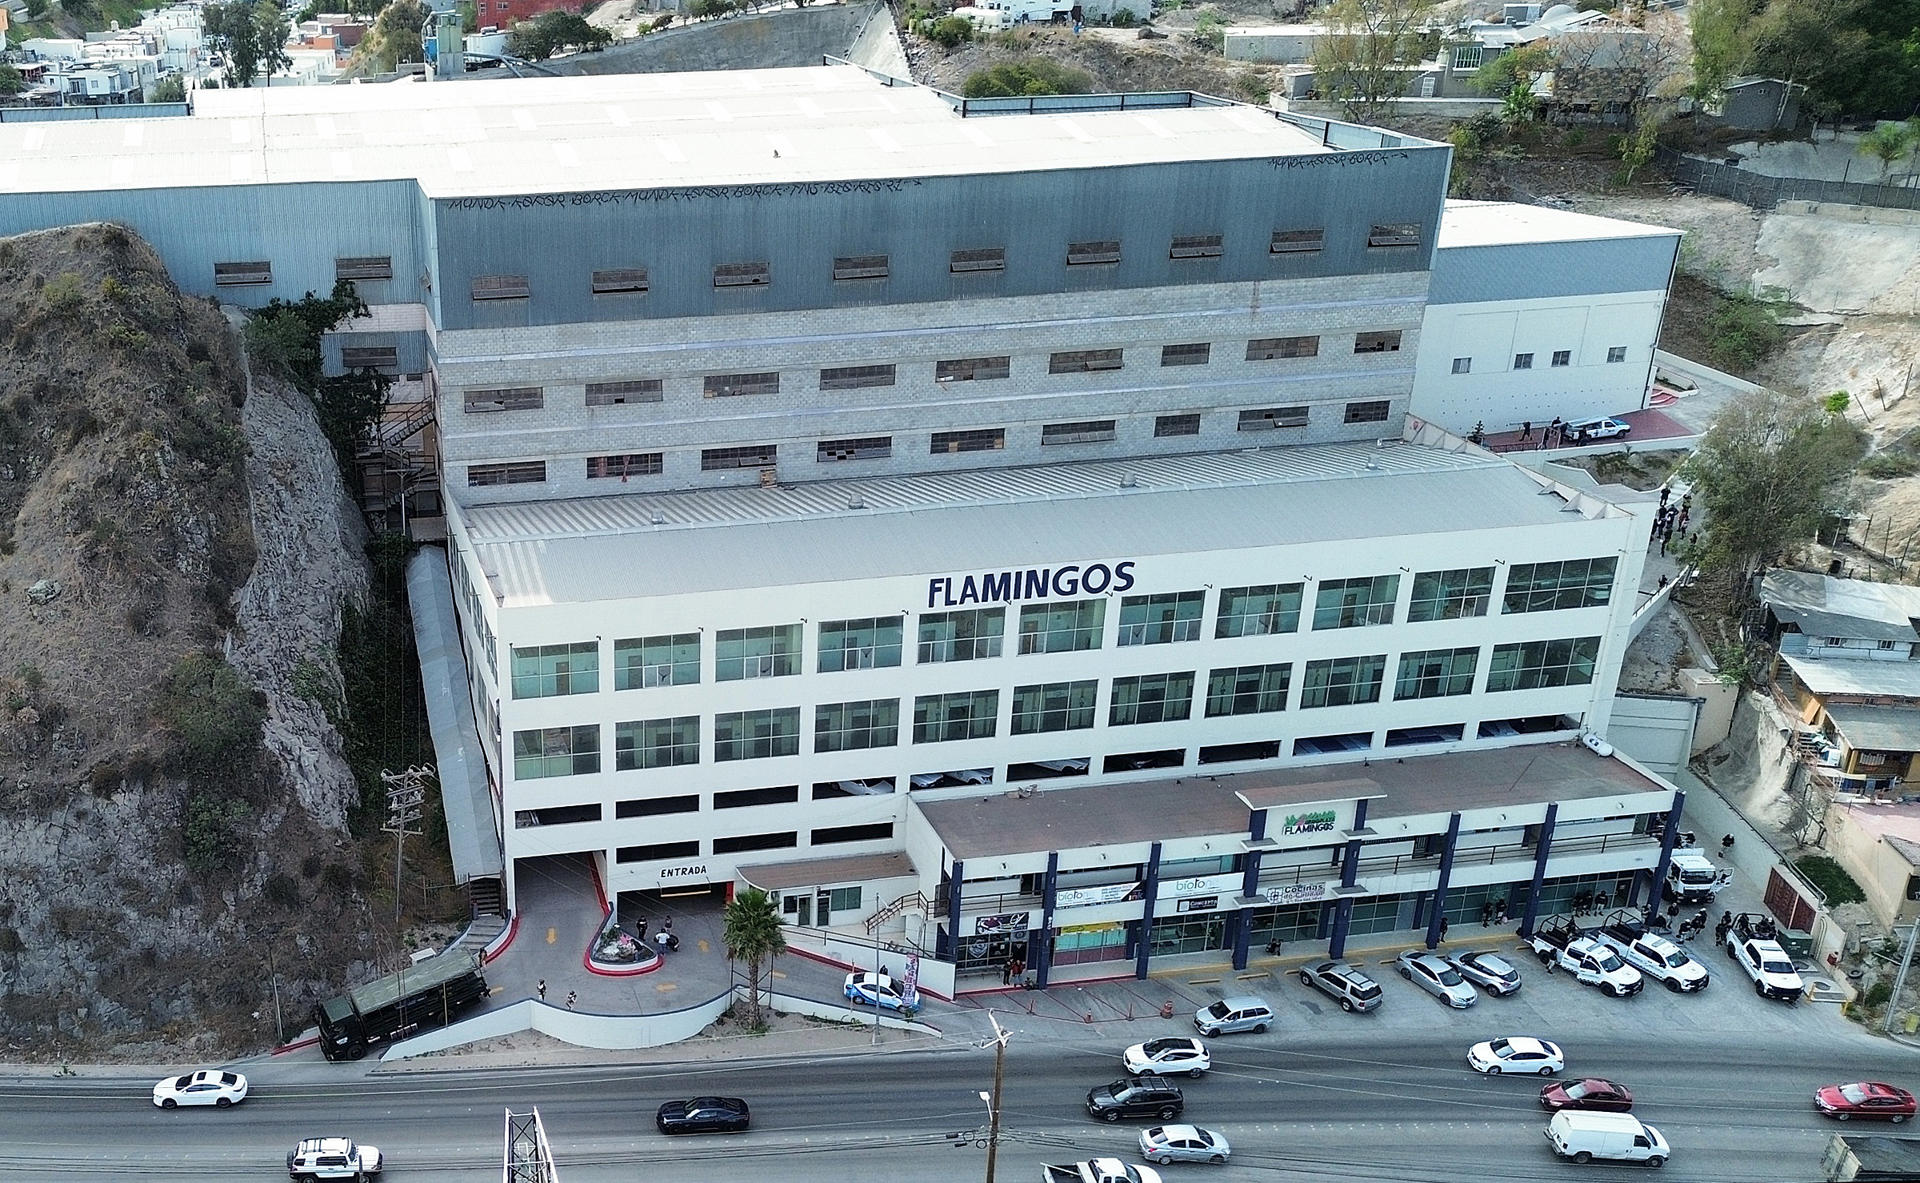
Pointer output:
1297, 1104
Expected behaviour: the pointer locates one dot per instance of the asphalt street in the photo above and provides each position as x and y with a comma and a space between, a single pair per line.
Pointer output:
1314, 1103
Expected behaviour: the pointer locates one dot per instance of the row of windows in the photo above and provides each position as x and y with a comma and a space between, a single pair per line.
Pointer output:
492, 399
1067, 626
1560, 359
654, 852
1042, 708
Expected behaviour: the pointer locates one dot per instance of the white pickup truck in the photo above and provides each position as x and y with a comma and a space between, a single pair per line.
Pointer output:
1754, 948
1692, 878
1097, 1170
1655, 956
1561, 944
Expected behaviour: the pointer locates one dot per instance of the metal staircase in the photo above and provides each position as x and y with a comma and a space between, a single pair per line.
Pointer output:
912, 900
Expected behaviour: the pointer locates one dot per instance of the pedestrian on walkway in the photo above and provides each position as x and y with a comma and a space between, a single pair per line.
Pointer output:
1673, 910
1526, 430
1663, 545
1443, 928
1006, 973
1486, 914
1726, 844
1665, 492
1500, 911
572, 997
1683, 521
542, 989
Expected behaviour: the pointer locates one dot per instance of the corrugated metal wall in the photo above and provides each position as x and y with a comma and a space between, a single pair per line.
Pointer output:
1538, 270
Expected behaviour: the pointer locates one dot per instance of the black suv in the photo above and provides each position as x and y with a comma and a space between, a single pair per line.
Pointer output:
1143, 1096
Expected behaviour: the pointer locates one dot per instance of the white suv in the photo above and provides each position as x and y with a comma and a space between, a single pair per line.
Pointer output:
333, 1158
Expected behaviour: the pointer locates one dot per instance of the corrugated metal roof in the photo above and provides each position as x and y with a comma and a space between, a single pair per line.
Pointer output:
661, 544
1877, 729
1893, 679
1859, 609
465, 797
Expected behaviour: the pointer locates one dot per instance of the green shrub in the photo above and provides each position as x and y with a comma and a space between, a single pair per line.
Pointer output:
1831, 878
1888, 466
63, 294
1026, 76
212, 714
661, 21
1124, 19
1745, 329
211, 832
1877, 994
949, 31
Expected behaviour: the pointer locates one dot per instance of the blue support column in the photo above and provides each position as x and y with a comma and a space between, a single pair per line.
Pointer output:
953, 909
1439, 909
1541, 852
1043, 960
1349, 872
1146, 913
1249, 883
1666, 851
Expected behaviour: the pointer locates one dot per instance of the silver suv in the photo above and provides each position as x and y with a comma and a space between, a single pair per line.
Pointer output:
333, 1158
1230, 1015
1353, 990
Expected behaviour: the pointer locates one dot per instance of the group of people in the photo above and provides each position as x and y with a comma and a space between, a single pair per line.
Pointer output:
1671, 518
1015, 970
665, 939
1551, 435
1493, 912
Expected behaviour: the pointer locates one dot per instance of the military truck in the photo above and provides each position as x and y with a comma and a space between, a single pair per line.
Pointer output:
417, 998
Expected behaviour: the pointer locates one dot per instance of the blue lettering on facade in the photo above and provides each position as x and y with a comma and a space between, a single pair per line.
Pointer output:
1030, 583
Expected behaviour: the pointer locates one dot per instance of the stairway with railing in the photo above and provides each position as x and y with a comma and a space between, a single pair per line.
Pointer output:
911, 901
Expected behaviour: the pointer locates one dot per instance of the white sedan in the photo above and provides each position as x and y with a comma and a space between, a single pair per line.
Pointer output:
875, 990
207, 1087
1167, 1144
1173, 1055
1519, 1053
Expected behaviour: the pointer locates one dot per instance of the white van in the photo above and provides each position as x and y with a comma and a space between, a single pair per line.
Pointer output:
1622, 1137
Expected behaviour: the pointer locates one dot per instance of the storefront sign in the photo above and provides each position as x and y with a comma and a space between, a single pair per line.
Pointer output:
910, 988
1296, 893
1111, 893
682, 873
994, 926
1198, 903
1031, 583
1200, 883
1320, 821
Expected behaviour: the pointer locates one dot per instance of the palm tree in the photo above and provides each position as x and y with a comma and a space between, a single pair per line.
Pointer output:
752, 934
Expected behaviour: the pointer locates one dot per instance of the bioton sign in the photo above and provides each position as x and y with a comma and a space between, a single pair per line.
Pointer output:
1030, 583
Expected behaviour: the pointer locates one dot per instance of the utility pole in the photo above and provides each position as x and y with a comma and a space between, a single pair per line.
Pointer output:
1899, 981
1000, 1037
405, 793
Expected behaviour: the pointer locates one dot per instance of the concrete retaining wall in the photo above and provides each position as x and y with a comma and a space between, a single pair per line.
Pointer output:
609, 1032
780, 37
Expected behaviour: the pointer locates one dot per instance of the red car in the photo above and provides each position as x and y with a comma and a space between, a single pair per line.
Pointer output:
1587, 1094
1867, 1099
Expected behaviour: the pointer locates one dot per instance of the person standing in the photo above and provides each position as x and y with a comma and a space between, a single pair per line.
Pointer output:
1526, 430
1443, 928
542, 989
572, 997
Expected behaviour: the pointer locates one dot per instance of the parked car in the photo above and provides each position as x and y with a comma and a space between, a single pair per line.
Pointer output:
1867, 1100
703, 1115
1231, 1015
1183, 1143
333, 1158
1171, 1055
875, 990
1489, 971
1592, 1093
1143, 1096
210, 1086
1437, 978
1600, 427
1353, 990
1516, 1054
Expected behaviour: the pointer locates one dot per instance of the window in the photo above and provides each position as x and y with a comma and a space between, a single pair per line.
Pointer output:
656, 743
505, 398
865, 644
1288, 242
1258, 611
1196, 246
1616, 353
1355, 603
364, 267
1344, 681
370, 357
499, 287
869, 447
1195, 354
1063, 627
1436, 673
1400, 737
1450, 595
860, 267
1093, 431
983, 439
619, 280
549, 671
524, 472
624, 466
843, 899
756, 735
1150, 698
1468, 57
1463, 365
1372, 411
867, 786
1080, 254
735, 385
1057, 706
655, 806
1548, 587
850, 726
1248, 689
747, 798
556, 751
939, 718
746, 842
1083, 361
991, 258
742, 275
657, 851
869, 832
967, 635
1537, 665
1162, 619
1382, 342
1394, 234
746, 456
772, 651
614, 394
1277, 348
670, 659
1523, 361
1562, 357
239, 275
1273, 418
972, 369
855, 377
1166, 426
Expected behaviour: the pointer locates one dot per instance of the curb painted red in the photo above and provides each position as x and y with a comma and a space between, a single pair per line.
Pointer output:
586, 958
296, 1045
492, 952
823, 959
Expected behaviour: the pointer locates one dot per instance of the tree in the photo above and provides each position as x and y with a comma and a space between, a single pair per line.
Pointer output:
1722, 42
1520, 66
1887, 142
1616, 66
395, 36
284, 339
1768, 472
1857, 57
1362, 60
11, 81
1025, 76
750, 930
171, 89
36, 9
550, 32
270, 30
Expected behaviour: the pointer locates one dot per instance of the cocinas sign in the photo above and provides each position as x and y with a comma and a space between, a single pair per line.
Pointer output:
1031, 583
1318, 822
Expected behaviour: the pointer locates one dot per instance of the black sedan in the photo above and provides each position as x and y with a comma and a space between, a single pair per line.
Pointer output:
703, 1115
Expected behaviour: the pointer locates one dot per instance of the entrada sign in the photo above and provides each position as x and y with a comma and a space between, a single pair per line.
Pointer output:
1318, 822
1032, 583
694, 871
